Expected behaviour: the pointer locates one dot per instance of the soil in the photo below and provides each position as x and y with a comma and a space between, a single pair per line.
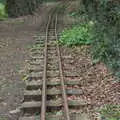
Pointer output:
97, 82
15, 37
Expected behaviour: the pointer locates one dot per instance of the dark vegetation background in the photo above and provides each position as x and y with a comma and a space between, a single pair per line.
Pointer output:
105, 15
16, 8
2, 1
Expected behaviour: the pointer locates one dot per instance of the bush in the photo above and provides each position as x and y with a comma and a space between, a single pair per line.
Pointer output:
106, 40
2, 1
106, 43
78, 35
16, 8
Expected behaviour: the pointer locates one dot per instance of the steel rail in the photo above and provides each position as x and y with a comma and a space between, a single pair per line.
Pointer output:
62, 76
44, 87
43, 108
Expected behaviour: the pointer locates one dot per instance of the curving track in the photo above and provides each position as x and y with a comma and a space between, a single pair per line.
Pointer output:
47, 91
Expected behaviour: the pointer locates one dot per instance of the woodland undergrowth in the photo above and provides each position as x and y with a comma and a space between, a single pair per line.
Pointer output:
104, 37
103, 34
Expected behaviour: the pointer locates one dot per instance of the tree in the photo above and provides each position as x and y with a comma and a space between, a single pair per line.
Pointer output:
16, 8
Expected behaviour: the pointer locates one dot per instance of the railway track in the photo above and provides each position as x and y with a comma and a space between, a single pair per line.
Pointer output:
51, 92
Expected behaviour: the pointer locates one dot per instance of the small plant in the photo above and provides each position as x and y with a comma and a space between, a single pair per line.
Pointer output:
78, 35
110, 112
73, 14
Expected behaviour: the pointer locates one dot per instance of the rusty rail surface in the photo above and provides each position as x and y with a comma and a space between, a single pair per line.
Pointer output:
43, 108
62, 77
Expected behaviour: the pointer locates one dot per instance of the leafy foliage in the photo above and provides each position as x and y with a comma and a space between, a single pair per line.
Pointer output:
78, 35
106, 40
2, 1
2, 11
17, 8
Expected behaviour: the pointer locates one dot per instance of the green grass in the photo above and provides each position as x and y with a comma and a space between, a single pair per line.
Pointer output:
78, 35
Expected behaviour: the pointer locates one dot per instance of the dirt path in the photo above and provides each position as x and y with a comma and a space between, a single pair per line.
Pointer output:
15, 36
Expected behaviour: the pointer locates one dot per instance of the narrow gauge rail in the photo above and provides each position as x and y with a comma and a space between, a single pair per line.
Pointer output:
52, 26
46, 94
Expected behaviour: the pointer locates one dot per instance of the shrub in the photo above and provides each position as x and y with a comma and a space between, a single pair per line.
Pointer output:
106, 40
16, 8
78, 35
106, 43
